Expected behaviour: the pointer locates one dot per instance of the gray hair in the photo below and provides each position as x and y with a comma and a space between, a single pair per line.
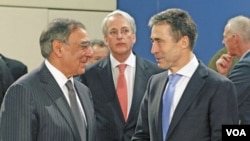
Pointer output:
97, 42
122, 13
240, 25
180, 22
58, 29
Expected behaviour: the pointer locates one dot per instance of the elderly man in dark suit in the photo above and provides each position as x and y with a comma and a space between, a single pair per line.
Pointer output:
237, 42
117, 115
47, 104
10, 71
199, 103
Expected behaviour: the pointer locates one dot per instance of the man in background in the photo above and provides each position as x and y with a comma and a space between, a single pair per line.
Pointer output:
237, 42
212, 62
100, 50
10, 71
118, 82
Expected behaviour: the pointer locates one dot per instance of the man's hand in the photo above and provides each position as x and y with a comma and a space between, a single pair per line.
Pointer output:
224, 64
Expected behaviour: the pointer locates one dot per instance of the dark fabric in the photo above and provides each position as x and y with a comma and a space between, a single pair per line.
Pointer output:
111, 125
16, 67
6, 79
35, 109
208, 102
10, 71
240, 75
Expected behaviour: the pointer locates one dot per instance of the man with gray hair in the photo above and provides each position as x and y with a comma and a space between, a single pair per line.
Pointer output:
117, 107
237, 42
100, 50
47, 104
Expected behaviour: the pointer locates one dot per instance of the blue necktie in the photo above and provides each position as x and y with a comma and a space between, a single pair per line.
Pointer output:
167, 102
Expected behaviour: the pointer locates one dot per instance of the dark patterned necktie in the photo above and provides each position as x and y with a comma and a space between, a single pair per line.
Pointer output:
78, 116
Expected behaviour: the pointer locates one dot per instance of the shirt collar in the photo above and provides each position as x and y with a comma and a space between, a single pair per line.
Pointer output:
189, 69
244, 54
130, 61
60, 78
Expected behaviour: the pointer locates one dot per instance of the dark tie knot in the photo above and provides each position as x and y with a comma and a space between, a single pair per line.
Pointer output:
69, 85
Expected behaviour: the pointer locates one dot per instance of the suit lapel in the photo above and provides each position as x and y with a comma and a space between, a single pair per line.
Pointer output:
159, 87
105, 73
51, 87
193, 87
109, 90
140, 78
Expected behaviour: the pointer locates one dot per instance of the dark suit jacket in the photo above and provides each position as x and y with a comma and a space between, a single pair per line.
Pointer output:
35, 109
16, 67
240, 75
110, 122
208, 101
6, 79
14, 70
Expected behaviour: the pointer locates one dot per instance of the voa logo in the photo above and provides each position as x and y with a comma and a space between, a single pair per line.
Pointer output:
236, 132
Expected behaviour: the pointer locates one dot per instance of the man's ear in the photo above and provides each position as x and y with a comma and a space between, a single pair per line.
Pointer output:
57, 47
184, 42
236, 38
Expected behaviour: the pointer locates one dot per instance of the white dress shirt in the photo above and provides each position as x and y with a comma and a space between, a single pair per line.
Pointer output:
129, 74
187, 71
61, 81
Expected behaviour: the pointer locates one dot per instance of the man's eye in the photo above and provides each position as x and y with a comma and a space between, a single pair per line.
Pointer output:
126, 30
85, 44
112, 32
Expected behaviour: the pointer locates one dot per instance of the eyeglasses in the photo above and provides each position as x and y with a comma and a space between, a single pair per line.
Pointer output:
124, 32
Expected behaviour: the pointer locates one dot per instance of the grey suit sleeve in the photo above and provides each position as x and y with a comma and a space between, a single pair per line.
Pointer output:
240, 76
142, 127
223, 109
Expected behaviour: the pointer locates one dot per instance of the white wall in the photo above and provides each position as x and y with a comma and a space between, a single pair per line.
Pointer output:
21, 25
63, 4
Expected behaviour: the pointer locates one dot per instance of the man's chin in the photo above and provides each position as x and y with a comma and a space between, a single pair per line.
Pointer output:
81, 71
162, 66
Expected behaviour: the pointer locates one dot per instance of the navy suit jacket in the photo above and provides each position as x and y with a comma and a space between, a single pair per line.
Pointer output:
240, 75
208, 101
15, 69
110, 122
35, 109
